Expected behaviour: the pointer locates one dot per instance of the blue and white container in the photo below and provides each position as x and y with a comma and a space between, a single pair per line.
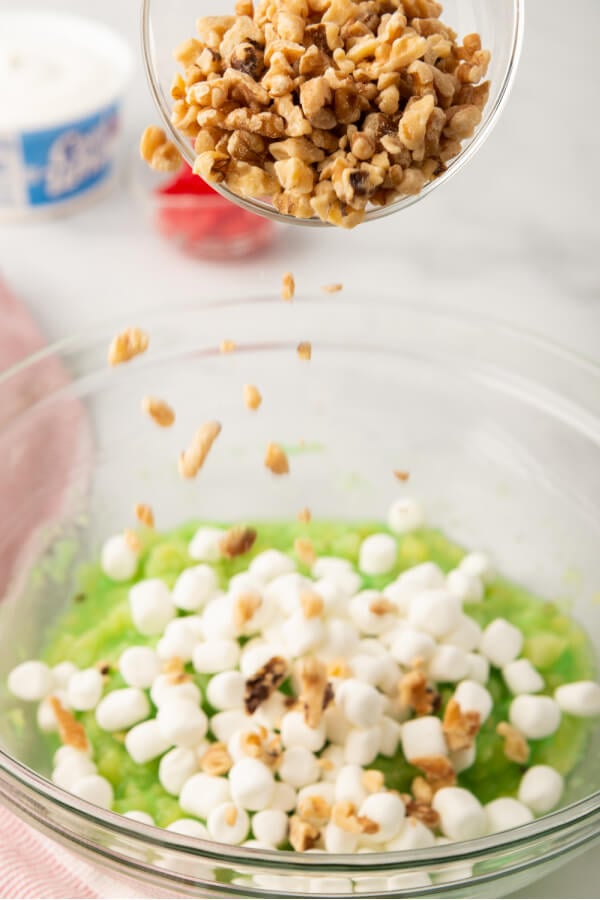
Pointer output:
62, 81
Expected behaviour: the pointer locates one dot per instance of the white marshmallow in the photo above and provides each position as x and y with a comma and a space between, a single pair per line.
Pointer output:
67, 754
269, 564
163, 690
462, 817
270, 826
522, 678
121, 709
301, 635
349, 785
324, 789
400, 595
299, 767
176, 767
377, 554
296, 733
411, 644
138, 815
195, 623
202, 793
413, 836
448, 663
479, 668
139, 666
541, 789
501, 642
252, 784
182, 722
271, 711
118, 559
284, 797
285, 591
405, 881
387, 810
467, 634
145, 742
362, 745
437, 612
337, 726
374, 670
179, 640
62, 674
189, 827
236, 743
194, 588
422, 577
478, 565
338, 841
228, 824
205, 545
216, 655
405, 515
473, 697
243, 583
463, 759
391, 732
340, 640
46, 717
224, 725
68, 772
85, 689
504, 813
95, 789
31, 680
217, 618
468, 588
226, 690
367, 621
329, 566
580, 698
423, 737
534, 716
150, 605
255, 654
362, 704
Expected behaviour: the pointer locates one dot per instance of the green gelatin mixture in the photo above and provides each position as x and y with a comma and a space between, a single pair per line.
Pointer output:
97, 626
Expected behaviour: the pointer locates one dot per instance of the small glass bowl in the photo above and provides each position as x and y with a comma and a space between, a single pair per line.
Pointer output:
167, 23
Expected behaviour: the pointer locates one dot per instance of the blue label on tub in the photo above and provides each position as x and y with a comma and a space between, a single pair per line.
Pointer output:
63, 162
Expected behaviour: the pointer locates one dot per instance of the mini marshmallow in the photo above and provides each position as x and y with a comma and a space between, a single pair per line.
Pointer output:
95, 789
580, 698
501, 642
255, 654
179, 640
176, 767
284, 797
437, 612
296, 733
338, 571
252, 784
62, 674
217, 618
228, 824
189, 827
224, 725
367, 621
46, 717
68, 772
138, 815
504, 813
349, 785
338, 841
405, 515
362, 745
85, 689
413, 836
146, 741
463, 759
405, 881
323, 789
285, 591
299, 767
205, 545
337, 726
202, 793
423, 737
411, 644
467, 635
390, 736
215, 656
477, 565
541, 788
448, 663
522, 678
301, 635
182, 722
226, 690
271, 711
269, 564
462, 817
422, 577
473, 697
243, 583
139, 666
270, 826
468, 588
31, 680
368, 669
163, 690
387, 810
377, 554
151, 606
340, 640
236, 743
535, 717
194, 588
362, 704
479, 668
400, 595
121, 709
67, 754
118, 559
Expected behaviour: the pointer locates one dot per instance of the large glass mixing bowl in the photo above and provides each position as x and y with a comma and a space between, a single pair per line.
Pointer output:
500, 432
167, 23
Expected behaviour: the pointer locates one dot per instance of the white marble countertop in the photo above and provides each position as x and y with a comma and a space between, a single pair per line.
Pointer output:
516, 235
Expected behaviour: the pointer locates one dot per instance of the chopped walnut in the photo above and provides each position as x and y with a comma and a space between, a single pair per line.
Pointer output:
252, 396
288, 286
174, 669
304, 515
422, 812
160, 153
263, 683
303, 835
416, 693
216, 760
316, 692
144, 514
192, 459
372, 780
71, 732
345, 817
339, 668
127, 344
516, 747
227, 346
401, 475
237, 541
381, 606
422, 790
262, 746
439, 771
304, 350
312, 605
276, 460
314, 809
332, 288
132, 540
305, 551
244, 607
159, 411
460, 727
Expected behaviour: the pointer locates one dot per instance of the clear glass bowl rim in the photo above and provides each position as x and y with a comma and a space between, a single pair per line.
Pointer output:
264, 209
